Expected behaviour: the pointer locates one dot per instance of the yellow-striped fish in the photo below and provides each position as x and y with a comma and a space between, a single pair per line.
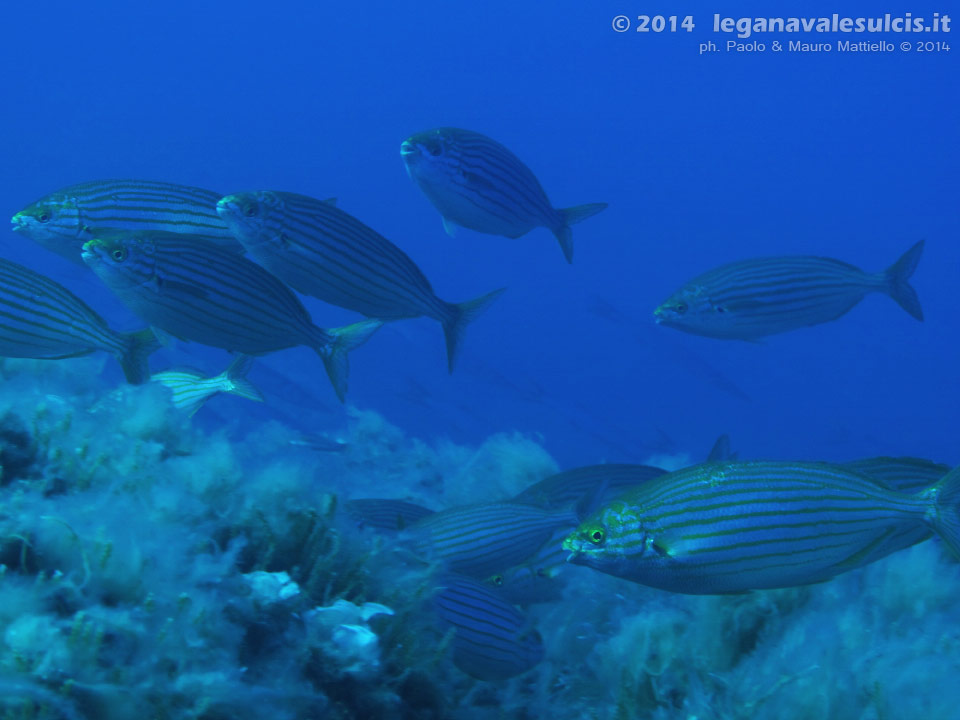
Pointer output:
750, 299
732, 527
477, 183
64, 220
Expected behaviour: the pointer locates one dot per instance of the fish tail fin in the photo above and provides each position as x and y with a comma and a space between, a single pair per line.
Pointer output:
943, 514
235, 377
461, 315
898, 281
337, 343
138, 346
571, 216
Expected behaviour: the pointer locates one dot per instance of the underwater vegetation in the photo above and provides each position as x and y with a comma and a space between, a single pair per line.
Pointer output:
157, 570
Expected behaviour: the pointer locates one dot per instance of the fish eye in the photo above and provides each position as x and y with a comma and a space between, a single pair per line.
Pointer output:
250, 210
118, 254
721, 309
681, 308
44, 217
497, 580
596, 536
435, 149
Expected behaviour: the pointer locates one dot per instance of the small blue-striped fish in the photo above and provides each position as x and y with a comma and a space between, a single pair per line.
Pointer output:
385, 514
481, 540
63, 221
492, 639
477, 183
732, 527
197, 291
319, 250
39, 318
190, 388
750, 299
569, 487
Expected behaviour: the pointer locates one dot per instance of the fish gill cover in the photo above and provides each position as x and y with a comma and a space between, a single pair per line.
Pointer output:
742, 196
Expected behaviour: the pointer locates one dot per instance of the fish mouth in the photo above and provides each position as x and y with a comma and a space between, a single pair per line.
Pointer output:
227, 206
572, 545
18, 222
408, 148
658, 315
88, 250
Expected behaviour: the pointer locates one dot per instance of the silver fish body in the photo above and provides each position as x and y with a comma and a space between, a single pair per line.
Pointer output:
39, 318
197, 291
754, 298
477, 183
733, 527
322, 251
64, 220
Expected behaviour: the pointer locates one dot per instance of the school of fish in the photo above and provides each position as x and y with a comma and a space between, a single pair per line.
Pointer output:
225, 270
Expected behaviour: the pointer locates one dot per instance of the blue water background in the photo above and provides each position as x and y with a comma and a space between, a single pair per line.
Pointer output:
703, 160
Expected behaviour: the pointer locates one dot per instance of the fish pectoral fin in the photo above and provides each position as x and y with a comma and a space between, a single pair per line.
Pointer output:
668, 545
450, 227
857, 559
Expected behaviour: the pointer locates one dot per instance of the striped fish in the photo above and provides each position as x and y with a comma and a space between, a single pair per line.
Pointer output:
319, 250
383, 514
39, 318
477, 183
492, 639
481, 540
190, 388
750, 299
197, 291
606, 481
63, 221
732, 527
904, 474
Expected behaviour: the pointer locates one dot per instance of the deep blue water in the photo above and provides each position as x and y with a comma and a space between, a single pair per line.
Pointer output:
702, 159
